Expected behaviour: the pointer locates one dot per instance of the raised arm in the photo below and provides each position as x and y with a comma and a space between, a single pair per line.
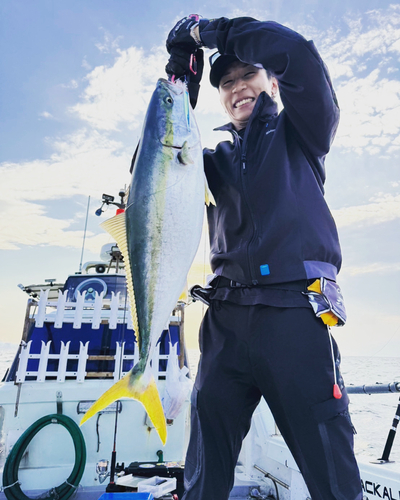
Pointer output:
304, 83
305, 86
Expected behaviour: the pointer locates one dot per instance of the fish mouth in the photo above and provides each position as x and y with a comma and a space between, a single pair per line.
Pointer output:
177, 87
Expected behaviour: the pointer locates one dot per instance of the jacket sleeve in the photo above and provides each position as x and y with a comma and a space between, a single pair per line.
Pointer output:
304, 83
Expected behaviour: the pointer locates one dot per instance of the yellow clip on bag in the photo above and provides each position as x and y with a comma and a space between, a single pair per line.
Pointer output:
326, 299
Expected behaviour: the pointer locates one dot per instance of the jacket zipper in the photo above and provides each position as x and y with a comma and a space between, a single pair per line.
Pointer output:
243, 158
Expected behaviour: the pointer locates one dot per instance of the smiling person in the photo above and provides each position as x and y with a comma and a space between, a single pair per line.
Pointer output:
240, 86
275, 255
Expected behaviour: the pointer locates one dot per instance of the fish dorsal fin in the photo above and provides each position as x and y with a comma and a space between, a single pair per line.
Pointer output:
116, 227
208, 193
184, 155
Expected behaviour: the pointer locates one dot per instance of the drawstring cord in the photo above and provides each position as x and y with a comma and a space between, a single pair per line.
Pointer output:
337, 393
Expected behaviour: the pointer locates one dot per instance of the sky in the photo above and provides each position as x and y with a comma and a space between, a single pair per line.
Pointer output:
75, 80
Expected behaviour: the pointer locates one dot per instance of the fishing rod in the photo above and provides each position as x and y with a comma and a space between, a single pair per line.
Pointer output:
373, 389
381, 389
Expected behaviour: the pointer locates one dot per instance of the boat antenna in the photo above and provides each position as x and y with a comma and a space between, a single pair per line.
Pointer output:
84, 235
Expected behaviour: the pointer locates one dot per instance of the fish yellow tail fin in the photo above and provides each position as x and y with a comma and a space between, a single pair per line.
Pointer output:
146, 394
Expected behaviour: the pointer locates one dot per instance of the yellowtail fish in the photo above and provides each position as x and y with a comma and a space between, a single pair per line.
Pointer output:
158, 234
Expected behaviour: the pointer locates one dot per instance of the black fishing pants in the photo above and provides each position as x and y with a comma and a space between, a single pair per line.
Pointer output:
283, 354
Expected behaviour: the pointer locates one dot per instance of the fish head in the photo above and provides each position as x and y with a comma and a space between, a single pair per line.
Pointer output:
174, 114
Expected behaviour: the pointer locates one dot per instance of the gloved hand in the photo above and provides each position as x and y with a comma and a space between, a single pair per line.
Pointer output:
181, 34
179, 65
180, 61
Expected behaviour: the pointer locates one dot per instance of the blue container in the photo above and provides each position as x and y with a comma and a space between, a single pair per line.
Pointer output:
126, 496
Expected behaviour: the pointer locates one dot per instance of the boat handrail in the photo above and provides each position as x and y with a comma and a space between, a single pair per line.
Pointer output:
60, 311
80, 373
373, 389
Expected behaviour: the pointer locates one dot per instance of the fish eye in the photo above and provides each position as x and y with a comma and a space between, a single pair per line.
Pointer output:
169, 100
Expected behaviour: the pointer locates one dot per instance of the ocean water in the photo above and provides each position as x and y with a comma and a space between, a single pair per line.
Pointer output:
7, 354
372, 415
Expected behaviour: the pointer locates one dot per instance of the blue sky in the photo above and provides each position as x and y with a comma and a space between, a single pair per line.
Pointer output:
75, 80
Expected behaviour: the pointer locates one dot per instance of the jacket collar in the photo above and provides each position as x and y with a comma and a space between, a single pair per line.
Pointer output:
265, 110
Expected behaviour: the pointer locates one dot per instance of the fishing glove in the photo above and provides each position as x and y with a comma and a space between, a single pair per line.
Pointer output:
179, 65
182, 34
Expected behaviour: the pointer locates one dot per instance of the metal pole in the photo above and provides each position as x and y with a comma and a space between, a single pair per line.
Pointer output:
84, 234
373, 389
270, 476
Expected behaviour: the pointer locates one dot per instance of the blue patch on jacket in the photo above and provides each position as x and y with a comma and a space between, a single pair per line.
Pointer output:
264, 269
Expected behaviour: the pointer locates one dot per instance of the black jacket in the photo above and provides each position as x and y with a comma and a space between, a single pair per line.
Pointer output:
271, 223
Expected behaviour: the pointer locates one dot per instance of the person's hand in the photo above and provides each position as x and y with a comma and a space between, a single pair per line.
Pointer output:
184, 63
185, 35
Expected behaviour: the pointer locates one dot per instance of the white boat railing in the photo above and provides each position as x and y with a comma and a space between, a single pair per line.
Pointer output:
80, 374
95, 311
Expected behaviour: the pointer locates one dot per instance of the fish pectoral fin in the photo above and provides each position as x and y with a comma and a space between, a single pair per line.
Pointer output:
208, 194
147, 394
184, 155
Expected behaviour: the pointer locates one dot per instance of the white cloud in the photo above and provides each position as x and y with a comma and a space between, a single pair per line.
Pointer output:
358, 57
381, 209
84, 163
109, 43
373, 268
24, 223
73, 84
86, 65
120, 93
370, 104
46, 114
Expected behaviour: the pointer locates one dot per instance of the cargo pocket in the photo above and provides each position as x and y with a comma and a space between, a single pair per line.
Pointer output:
194, 454
336, 431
